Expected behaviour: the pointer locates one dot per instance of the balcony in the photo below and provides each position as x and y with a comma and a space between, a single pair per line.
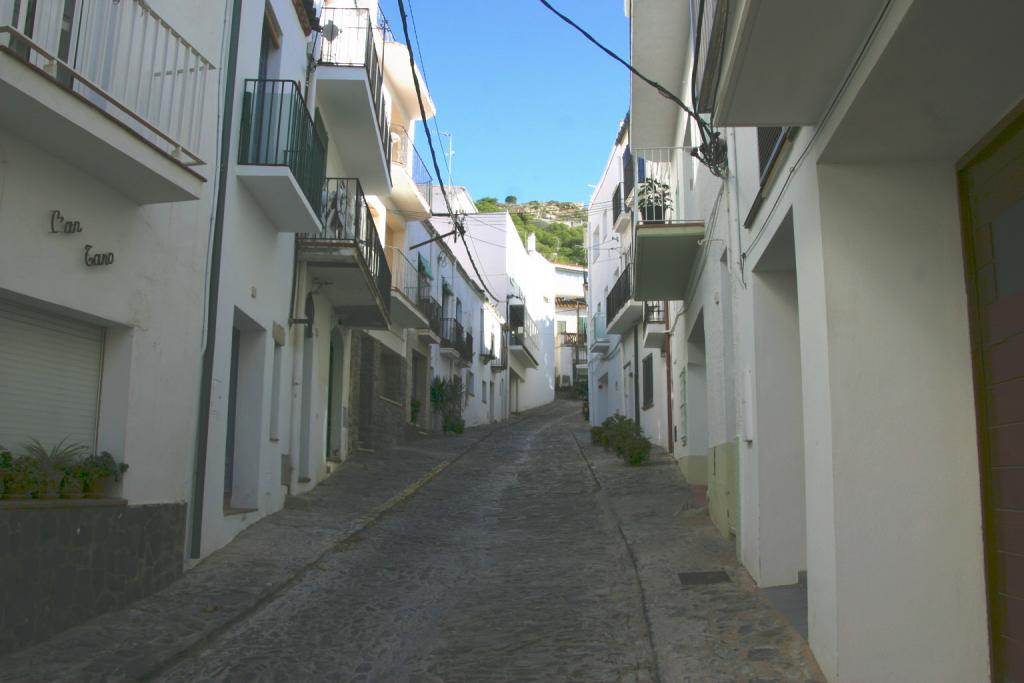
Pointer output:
431, 309
655, 327
350, 94
346, 259
86, 83
665, 244
624, 311
412, 182
574, 339
453, 338
522, 343
405, 290
599, 342
281, 158
781, 62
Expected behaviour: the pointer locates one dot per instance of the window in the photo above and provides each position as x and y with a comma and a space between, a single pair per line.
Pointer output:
470, 386
561, 327
483, 389
648, 377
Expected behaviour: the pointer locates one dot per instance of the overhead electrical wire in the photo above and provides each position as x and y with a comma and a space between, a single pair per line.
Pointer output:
423, 68
711, 152
457, 223
423, 116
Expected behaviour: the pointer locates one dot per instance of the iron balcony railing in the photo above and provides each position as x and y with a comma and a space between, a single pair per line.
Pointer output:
453, 336
620, 294
277, 130
430, 307
574, 339
347, 220
770, 140
121, 56
405, 154
349, 38
654, 313
404, 273
659, 191
708, 19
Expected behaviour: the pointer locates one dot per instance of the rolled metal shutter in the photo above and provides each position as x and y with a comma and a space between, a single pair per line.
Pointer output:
50, 370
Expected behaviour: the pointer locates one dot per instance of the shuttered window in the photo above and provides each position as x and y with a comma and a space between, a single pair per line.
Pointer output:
50, 369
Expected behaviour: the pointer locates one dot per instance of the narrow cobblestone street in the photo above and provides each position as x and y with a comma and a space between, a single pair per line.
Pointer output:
531, 557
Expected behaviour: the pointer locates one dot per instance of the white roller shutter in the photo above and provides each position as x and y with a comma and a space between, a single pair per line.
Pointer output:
50, 369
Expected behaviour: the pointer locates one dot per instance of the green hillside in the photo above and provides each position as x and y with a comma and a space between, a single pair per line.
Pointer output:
558, 225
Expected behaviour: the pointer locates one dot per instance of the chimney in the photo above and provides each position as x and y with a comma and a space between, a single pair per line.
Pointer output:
531, 243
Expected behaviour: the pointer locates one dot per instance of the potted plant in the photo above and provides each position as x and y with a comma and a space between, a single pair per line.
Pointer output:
73, 485
654, 199
22, 480
53, 464
97, 473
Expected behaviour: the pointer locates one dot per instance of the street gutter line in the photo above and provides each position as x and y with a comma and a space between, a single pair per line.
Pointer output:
610, 510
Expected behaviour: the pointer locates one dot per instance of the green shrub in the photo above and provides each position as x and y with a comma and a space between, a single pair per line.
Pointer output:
597, 436
446, 398
635, 451
618, 431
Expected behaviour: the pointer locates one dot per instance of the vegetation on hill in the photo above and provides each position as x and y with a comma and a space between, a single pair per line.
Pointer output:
558, 225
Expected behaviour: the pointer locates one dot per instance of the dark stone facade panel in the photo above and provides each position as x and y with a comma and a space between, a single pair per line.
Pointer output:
62, 566
380, 411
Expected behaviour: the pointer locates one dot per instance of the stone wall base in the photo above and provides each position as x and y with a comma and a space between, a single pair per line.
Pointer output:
65, 563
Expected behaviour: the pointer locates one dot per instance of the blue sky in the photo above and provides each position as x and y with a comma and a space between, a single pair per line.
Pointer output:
532, 106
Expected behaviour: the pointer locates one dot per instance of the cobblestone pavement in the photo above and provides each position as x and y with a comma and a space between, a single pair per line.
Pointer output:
531, 557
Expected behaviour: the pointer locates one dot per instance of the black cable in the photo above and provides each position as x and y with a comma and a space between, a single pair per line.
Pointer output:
457, 223
712, 152
423, 68
423, 115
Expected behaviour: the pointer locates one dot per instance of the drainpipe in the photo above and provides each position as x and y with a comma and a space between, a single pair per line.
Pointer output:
636, 372
206, 380
668, 377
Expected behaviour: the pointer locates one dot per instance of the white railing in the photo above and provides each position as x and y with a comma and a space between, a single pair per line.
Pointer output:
659, 184
121, 56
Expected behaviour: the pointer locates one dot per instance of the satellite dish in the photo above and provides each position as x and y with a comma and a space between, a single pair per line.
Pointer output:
330, 31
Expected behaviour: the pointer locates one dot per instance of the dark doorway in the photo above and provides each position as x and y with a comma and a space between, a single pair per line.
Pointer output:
992, 194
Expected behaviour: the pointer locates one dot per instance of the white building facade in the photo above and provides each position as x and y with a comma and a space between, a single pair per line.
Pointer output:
628, 355
832, 313
570, 286
522, 282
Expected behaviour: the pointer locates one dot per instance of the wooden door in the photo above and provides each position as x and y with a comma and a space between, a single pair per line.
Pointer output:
992, 196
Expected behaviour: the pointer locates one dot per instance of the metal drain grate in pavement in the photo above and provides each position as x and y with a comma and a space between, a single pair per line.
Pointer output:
702, 578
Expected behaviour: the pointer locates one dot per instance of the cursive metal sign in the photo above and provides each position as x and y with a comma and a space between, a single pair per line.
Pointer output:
98, 259
60, 226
